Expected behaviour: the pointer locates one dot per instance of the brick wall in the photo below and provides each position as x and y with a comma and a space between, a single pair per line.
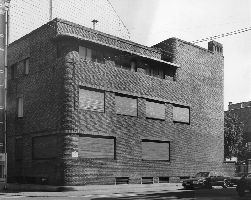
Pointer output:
51, 107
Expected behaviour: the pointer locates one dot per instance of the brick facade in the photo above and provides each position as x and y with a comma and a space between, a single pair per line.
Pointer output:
51, 107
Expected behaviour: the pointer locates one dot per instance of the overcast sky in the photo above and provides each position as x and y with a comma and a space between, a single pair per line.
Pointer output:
152, 21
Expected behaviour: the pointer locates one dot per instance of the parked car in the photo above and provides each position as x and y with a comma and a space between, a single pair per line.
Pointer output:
243, 185
206, 180
234, 180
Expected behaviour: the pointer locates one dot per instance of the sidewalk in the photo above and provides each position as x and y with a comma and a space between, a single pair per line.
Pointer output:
95, 189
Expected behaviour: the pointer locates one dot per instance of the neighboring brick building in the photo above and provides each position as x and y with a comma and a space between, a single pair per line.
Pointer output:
243, 111
90, 108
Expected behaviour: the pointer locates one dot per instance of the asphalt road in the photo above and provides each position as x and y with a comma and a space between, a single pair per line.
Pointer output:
202, 194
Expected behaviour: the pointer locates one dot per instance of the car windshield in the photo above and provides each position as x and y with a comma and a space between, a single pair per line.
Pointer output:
202, 174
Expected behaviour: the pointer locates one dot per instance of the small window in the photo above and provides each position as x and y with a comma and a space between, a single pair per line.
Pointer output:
133, 66
155, 150
170, 74
126, 105
20, 107
249, 146
156, 71
181, 114
147, 180
121, 180
85, 53
13, 71
44, 147
26, 66
155, 110
96, 147
164, 179
91, 99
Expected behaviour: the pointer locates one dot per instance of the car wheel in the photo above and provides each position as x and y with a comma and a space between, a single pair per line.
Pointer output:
225, 184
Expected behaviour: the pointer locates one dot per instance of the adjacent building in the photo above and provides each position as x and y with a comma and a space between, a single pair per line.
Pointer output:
243, 111
85, 107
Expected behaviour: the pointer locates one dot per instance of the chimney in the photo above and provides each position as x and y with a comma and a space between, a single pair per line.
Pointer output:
215, 47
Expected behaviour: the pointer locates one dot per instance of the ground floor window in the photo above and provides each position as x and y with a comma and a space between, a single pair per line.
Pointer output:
92, 146
155, 150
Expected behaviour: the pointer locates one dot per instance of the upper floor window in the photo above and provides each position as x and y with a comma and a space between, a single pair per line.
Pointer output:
91, 99
85, 53
20, 107
181, 114
126, 105
26, 66
156, 71
155, 110
91, 54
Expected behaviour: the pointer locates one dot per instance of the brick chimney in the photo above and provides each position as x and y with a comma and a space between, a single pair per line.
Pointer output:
215, 47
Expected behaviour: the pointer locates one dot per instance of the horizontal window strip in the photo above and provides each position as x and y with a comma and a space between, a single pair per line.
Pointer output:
126, 105
91, 100
155, 110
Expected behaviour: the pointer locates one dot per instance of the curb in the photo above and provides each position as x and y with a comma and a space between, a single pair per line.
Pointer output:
92, 188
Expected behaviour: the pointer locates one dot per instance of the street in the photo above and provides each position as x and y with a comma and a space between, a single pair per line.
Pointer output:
203, 194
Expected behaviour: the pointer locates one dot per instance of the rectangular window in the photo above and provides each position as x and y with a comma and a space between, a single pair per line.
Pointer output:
13, 71
20, 107
155, 110
249, 146
170, 73
44, 147
155, 150
91, 99
85, 53
156, 71
147, 180
181, 114
19, 149
97, 147
26, 66
126, 105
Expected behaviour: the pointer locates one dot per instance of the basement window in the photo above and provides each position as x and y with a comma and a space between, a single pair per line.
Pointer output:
147, 180
121, 180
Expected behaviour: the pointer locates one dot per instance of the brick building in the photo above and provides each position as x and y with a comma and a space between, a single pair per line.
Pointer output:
89, 108
243, 111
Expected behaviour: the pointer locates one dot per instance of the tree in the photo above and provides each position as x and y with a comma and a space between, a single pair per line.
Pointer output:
234, 144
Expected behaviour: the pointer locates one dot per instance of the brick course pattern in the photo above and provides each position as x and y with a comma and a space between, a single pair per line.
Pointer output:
51, 101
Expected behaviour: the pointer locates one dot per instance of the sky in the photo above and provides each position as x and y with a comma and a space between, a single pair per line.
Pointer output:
152, 21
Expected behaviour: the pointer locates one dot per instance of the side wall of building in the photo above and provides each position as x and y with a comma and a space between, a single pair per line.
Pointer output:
41, 92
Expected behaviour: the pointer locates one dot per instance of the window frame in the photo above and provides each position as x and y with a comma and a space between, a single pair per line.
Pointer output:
127, 96
103, 137
20, 114
157, 141
94, 90
158, 102
189, 112
26, 67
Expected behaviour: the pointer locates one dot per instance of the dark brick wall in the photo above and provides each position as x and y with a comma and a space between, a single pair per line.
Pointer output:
51, 107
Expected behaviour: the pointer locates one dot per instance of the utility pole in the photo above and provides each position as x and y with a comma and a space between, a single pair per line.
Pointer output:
4, 42
50, 10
